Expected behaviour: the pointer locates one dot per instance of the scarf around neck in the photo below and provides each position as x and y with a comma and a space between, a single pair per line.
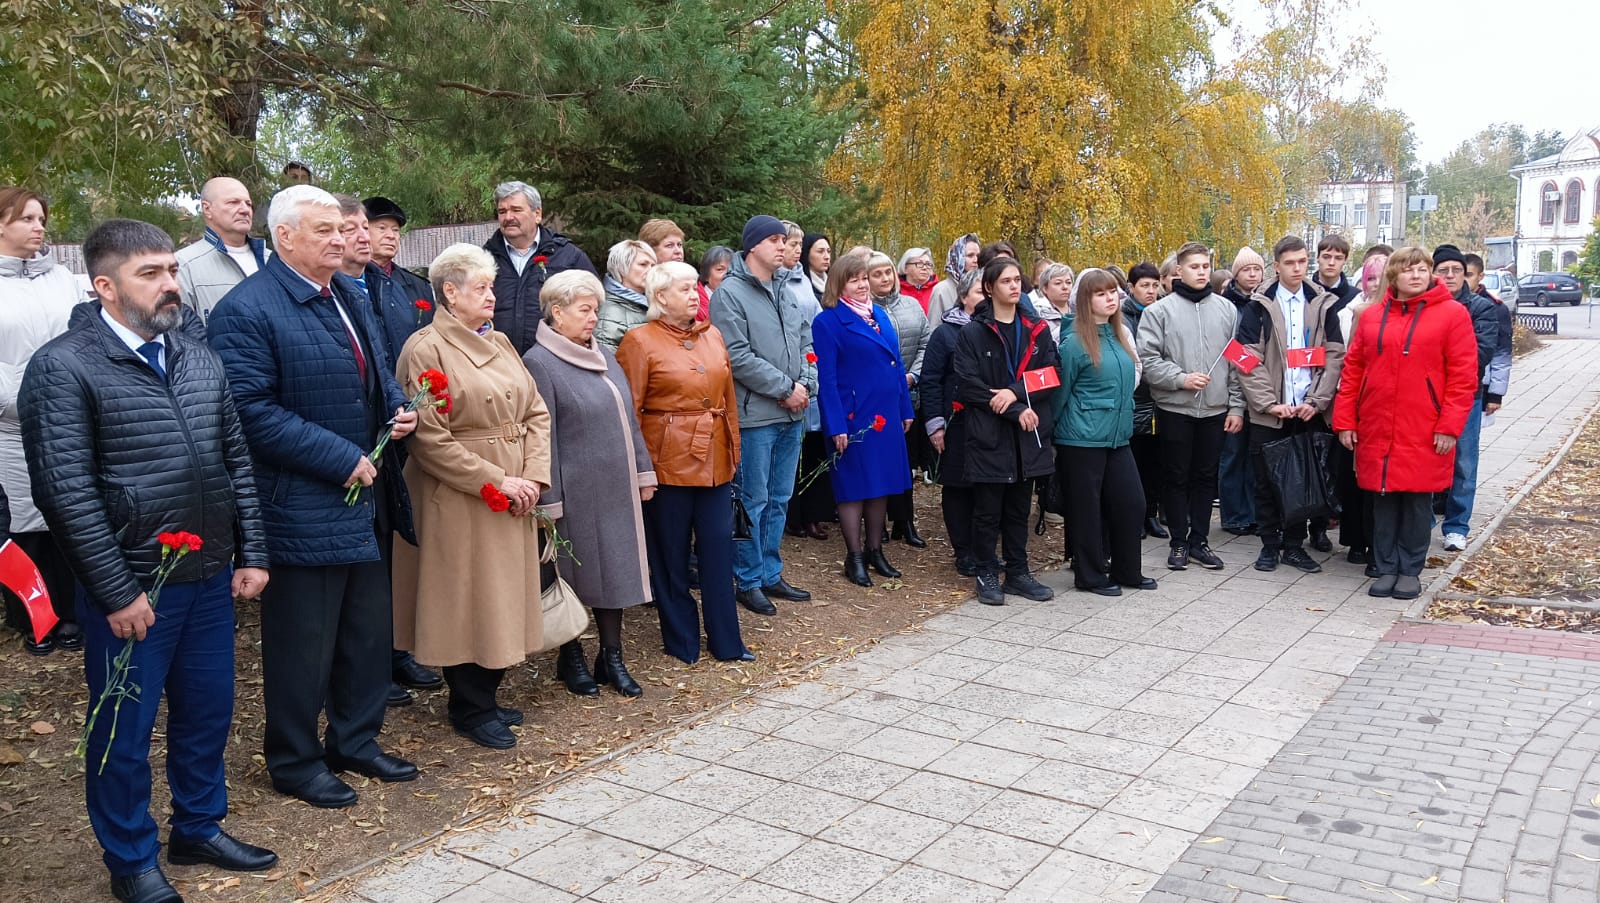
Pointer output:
862, 309
1182, 290
584, 357
958, 316
613, 287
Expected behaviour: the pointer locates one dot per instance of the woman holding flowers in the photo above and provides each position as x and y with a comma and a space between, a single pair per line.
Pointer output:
866, 409
469, 599
601, 466
683, 395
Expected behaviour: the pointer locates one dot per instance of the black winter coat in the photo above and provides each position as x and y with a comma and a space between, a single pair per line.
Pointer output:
394, 298
938, 394
123, 456
997, 449
516, 297
1485, 327
5, 516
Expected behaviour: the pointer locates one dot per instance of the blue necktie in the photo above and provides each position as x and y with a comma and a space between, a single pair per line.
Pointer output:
152, 355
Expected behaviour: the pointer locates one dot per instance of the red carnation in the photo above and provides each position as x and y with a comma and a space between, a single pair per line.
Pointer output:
445, 404
494, 498
192, 541
434, 380
170, 540
811, 358
540, 259
424, 305
878, 423
956, 406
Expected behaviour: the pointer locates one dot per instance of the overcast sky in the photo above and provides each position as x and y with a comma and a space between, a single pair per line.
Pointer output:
1457, 65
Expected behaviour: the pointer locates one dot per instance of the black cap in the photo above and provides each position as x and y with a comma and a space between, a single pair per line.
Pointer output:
1445, 253
383, 208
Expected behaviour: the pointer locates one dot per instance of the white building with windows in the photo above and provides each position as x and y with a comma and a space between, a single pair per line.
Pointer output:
1558, 198
1365, 213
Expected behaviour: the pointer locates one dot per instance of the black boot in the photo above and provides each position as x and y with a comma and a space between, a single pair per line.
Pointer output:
907, 530
881, 564
609, 669
574, 671
1152, 527
855, 569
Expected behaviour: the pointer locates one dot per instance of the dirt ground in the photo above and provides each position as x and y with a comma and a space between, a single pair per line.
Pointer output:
49, 853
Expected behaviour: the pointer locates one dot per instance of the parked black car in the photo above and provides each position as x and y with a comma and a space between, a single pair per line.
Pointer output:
1550, 288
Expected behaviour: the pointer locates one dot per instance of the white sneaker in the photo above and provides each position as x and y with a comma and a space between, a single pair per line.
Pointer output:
1455, 542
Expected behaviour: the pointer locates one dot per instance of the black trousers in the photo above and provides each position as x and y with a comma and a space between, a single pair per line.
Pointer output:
472, 691
671, 518
1147, 455
1270, 525
1107, 501
326, 634
956, 502
902, 507
1355, 503
1000, 512
1191, 448
58, 581
814, 505
1401, 525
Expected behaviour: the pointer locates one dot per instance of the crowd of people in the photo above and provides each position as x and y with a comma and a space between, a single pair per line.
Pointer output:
567, 441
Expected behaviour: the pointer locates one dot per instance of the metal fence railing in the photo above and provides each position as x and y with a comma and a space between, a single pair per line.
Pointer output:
1541, 324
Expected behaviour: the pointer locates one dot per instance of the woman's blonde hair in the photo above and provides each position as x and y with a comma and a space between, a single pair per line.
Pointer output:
1400, 261
622, 256
1084, 327
458, 265
660, 278
566, 287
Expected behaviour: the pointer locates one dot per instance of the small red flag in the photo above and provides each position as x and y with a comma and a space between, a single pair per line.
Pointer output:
1315, 356
1041, 379
19, 574
1240, 356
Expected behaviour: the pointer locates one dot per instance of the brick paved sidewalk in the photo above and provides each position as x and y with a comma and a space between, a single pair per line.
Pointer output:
1070, 750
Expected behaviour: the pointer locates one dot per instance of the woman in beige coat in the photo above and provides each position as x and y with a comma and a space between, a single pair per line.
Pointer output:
467, 597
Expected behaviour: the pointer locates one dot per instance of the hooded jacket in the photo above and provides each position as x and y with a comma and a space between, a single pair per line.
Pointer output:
1178, 336
1485, 325
1497, 379
622, 311
37, 296
937, 403
1262, 331
516, 295
997, 450
769, 344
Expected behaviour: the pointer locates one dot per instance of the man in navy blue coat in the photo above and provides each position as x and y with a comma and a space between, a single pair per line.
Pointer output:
315, 387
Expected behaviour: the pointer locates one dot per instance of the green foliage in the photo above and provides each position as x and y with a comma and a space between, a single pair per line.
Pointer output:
1588, 268
1477, 196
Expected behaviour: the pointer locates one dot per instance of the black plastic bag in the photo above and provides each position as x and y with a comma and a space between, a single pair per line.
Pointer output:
1305, 485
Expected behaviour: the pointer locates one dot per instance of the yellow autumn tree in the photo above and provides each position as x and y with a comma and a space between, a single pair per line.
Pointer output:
1087, 130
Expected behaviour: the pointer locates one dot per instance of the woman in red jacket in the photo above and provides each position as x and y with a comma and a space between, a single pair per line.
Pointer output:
1409, 377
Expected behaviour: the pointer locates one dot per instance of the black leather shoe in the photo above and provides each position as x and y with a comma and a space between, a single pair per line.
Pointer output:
782, 590
573, 670
1356, 556
1152, 527
1202, 555
1371, 570
907, 530
855, 569
43, 647
492, 734
609, 669
508, 717
1296, 557
1267, 560
1320, 541
407, 673
325, 791
966, 567
69, 638
1110, 589
1178, 560
381, 767
399, 697
1144, 583
1028, 588
756, 601
149, 886
1246, 530
223, 851
881, 564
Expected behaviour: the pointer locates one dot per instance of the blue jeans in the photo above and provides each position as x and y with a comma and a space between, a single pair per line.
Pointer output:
1464, 489
1236, 485
768, 456
188, 657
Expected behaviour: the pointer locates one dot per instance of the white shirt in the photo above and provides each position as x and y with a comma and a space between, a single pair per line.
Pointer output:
135, 341
244, 257
1296, 380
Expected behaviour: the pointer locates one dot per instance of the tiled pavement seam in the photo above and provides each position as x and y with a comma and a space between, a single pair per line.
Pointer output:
1068, 750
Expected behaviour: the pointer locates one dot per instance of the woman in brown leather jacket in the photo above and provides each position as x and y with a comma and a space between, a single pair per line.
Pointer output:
683, 395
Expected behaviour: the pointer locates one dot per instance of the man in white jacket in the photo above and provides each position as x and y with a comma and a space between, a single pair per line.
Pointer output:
210, 267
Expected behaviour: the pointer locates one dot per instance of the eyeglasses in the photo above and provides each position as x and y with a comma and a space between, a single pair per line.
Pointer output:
919, 263
1450, 269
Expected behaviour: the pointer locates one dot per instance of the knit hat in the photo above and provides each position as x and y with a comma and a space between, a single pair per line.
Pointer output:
1247, 258
759, 229
1446, 253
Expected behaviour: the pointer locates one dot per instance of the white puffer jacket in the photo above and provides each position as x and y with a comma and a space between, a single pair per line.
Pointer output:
36, 300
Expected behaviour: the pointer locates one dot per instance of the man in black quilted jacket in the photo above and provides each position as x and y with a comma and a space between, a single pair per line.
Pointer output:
131, 423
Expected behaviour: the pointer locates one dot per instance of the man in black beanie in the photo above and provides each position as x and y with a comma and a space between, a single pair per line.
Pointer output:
1450, 265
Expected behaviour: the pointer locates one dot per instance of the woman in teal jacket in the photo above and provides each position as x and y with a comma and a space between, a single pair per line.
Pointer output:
1093, 423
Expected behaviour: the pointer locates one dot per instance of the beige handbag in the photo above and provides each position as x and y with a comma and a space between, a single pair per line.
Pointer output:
564, 617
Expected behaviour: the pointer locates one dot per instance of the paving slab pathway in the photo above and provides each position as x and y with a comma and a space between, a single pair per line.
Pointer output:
1091, 749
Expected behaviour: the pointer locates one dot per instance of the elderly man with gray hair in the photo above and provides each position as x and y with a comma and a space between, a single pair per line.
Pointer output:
525, 253
210, 267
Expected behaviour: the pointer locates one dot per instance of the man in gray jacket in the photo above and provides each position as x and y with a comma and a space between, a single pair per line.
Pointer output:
769, 349
211, 267
1181, 340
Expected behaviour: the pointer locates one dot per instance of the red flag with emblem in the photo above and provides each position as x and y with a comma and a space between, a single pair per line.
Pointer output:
1041, 379
1240, 356
19, 574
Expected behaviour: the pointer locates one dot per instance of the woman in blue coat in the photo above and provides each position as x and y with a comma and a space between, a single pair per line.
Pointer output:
866, 409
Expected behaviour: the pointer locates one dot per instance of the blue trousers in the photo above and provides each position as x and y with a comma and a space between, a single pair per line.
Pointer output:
1236, 489
1464, 488
768, 456
670, 518
187, 656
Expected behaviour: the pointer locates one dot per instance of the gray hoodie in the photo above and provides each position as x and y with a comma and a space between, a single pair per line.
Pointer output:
768, 340
1178, 336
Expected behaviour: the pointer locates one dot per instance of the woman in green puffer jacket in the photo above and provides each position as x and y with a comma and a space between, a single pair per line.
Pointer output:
1093, 423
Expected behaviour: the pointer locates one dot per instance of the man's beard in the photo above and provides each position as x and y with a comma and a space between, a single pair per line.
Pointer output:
165, 318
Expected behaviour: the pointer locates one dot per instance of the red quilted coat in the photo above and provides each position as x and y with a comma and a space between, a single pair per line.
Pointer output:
1410, 371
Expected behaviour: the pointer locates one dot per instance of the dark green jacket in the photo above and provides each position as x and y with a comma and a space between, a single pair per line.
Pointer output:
1094, 406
